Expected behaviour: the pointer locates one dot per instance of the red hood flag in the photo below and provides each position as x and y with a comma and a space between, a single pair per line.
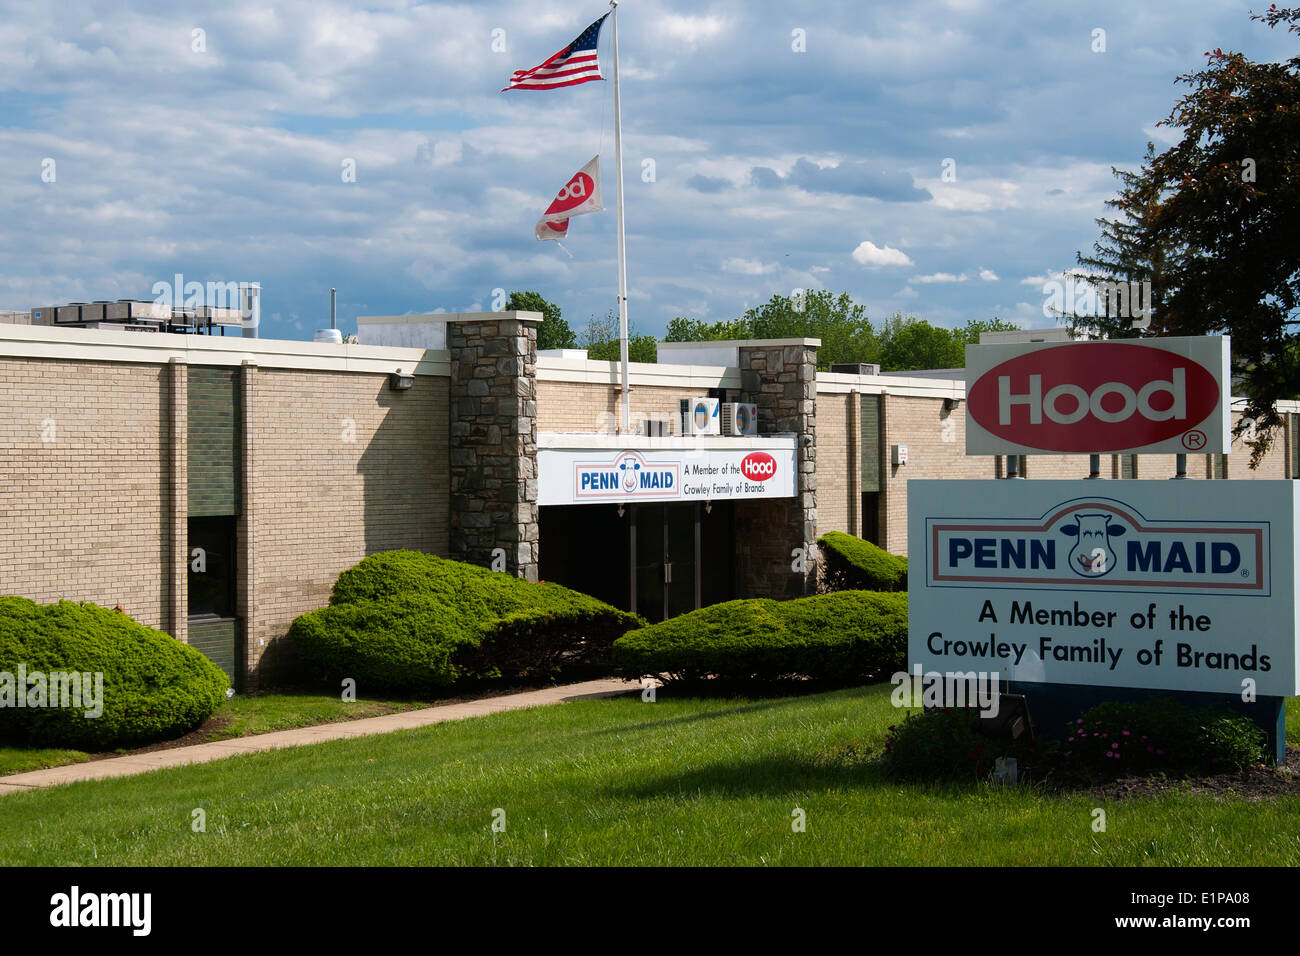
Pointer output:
579, 196
576, 63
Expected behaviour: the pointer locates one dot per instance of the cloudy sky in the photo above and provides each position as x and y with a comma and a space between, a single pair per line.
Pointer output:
768, 146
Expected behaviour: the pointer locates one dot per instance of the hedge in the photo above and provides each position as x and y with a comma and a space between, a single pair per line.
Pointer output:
854, 564
154, 687
415, 621
845, 636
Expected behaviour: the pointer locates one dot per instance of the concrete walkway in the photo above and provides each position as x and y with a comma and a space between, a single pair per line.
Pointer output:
217, 750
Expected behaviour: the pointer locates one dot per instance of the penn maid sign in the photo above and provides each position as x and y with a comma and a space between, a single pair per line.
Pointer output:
1112, 584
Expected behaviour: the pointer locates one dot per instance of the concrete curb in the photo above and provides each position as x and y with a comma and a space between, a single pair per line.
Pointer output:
302, 736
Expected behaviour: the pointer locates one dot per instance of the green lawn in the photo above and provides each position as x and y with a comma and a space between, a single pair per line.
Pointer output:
617, 782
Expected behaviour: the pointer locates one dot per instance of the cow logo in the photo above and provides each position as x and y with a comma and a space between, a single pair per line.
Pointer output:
629, 467
1092, 555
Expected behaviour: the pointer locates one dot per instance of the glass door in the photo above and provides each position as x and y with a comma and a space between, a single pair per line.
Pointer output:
681, 580
665, 551
648, 561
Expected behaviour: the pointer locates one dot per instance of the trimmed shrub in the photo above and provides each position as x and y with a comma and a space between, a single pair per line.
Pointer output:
846, 636
944, 744
1154, 737
415, 621
409, 642
852, 564
1160, 736
154, 687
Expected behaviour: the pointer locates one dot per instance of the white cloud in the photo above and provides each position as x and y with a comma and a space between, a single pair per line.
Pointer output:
939, 277
746, 267
691, 30
869, 254
988, 275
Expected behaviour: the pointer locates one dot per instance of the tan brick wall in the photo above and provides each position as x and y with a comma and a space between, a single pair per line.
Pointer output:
84, 513
836, 456
343, 467
577, 406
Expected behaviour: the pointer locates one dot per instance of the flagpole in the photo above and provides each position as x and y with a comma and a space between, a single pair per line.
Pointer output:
622, 252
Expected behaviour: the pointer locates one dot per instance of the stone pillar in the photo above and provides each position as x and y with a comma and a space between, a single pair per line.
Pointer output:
780, 376
176, 611
493, 430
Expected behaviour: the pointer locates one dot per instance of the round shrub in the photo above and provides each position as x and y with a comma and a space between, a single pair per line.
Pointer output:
846, 636
415, 621
154, 687
852, 564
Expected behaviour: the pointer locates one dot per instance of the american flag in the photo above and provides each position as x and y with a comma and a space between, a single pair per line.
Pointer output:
576, 63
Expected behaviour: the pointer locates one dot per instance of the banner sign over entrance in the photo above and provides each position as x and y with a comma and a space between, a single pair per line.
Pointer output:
1129, 396
1107, 583
607, 476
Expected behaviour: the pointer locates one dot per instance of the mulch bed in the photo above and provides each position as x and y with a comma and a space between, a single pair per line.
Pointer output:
1252, 784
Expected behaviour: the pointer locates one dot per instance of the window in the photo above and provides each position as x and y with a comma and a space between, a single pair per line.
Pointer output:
1128, 466
212, 566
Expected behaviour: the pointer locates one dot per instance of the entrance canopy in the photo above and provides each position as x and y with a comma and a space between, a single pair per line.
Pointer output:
574, 469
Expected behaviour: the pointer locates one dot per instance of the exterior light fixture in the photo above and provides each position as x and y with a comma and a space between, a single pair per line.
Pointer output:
399, 381
950, 403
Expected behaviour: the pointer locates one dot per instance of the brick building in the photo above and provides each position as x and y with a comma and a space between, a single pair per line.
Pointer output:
215, 487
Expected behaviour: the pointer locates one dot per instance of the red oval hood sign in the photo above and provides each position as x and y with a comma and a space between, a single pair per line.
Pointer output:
758, 466
1093, 397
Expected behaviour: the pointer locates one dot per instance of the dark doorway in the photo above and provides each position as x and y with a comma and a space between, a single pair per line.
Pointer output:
659, 560
585, 547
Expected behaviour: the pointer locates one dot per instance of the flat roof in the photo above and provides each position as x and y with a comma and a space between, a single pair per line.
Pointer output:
740, 343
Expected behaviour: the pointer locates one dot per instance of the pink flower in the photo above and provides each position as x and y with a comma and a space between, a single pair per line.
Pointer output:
1126, 733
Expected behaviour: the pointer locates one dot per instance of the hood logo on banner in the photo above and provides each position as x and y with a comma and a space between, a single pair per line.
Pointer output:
1100, 540
628, 475
1094, 397
758, 466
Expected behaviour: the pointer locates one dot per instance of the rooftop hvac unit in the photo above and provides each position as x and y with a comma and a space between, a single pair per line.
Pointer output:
68, 313
138, 311
740, 419
218, 316
659, 427
702, 417
855, 368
